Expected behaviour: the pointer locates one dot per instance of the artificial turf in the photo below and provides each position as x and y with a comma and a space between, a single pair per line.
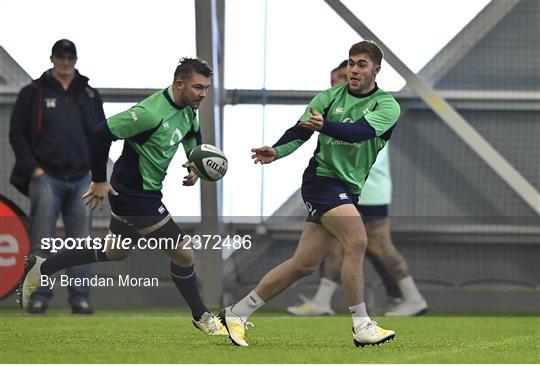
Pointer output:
167, 336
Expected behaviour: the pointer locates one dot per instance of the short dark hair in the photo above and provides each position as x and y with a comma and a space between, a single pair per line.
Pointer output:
368, 47
341, 65
187, 66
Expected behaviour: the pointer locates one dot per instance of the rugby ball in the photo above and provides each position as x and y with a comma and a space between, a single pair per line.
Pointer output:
208, 162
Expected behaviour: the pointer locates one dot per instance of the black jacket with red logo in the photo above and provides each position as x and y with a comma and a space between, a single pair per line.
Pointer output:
50, 128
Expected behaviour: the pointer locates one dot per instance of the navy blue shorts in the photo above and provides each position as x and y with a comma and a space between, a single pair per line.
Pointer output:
373, 212
138, 210
321, 194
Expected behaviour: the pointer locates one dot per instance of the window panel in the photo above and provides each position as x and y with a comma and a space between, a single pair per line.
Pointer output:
242, 184
132, 44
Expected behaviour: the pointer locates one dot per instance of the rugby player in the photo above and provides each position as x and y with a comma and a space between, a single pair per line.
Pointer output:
152, 130
354, 121
402, 293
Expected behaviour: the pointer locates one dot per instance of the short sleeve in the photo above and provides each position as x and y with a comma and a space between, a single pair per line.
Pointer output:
131, 122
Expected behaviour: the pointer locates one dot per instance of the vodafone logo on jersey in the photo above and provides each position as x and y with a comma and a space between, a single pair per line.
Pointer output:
14, 245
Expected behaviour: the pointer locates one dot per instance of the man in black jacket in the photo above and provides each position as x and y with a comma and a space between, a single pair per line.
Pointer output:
50, 128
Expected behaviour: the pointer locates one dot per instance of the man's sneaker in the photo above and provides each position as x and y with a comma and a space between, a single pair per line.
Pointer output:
82, 307
371, 334
36, 306
387, 304
30, 282
209, 324
408, 308
309, 308
236, 326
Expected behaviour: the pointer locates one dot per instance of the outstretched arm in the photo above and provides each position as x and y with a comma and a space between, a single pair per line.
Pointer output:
291, 140
263, 155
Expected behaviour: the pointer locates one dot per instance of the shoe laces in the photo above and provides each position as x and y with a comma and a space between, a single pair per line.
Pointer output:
243, 323
247, 324
370, 326
211, 321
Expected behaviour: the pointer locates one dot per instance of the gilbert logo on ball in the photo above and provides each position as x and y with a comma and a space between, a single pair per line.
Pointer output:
208, 162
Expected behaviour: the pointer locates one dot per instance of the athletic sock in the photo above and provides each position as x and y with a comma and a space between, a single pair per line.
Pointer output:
71, 258
185, 280
248, 305
359, 315
325, 291
409, 290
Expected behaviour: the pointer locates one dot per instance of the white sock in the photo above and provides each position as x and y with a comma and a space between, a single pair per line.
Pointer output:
359, 315
324, 294
248, 305
409, 290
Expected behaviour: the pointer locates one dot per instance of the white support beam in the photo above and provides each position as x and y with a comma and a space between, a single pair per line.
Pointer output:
447, 113
209, 48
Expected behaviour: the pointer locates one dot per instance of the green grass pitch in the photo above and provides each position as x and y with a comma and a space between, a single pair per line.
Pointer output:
167, 336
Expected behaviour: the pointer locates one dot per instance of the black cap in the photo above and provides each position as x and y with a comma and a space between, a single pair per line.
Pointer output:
64, 46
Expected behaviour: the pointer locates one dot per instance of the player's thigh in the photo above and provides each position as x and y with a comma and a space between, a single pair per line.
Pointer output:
345, 224
119, 232
146, 213
314, 246
154, 227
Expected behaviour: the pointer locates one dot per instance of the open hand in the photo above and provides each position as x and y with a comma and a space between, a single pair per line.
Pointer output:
95, 196
263, 155
315, 122
191, 178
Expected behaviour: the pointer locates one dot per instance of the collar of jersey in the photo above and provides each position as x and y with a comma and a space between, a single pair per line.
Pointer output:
168, 93
356, 95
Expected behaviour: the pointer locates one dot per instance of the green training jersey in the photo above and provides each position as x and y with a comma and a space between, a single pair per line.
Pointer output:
349, 162
153, 130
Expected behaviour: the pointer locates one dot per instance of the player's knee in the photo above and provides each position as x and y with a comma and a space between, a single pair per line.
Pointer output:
120, 229
174, 246
181, 257
302, 269
355, 244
